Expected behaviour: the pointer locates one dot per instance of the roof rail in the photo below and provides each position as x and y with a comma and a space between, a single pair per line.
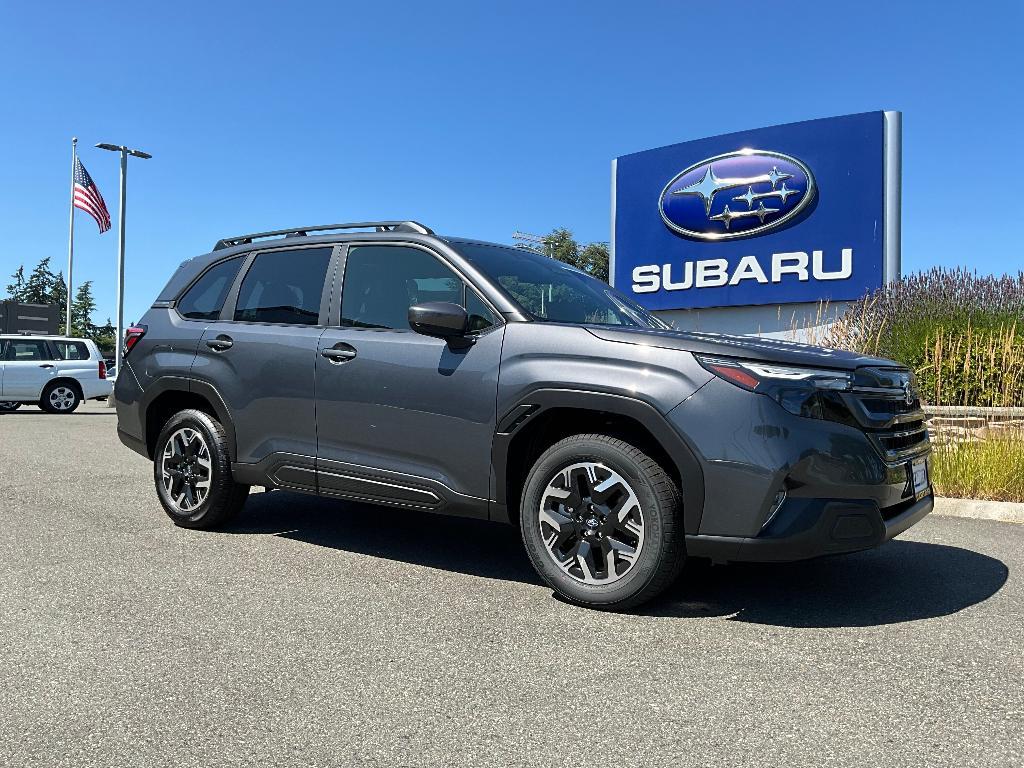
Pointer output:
379, 226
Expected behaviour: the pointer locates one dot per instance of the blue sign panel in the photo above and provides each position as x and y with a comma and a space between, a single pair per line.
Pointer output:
792, 213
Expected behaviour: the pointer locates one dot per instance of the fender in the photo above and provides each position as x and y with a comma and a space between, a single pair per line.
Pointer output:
540, 400
187, 384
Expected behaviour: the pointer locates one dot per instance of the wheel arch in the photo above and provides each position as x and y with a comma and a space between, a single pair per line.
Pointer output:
545, 416
168, 395
74, 383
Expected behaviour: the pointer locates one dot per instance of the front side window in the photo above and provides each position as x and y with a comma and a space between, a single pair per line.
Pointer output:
72, 350
383, 281
203, 301
284, 287
19, 350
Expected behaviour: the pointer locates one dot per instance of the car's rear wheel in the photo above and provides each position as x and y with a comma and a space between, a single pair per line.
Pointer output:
60, 397
602, 522
192, 472
6, 406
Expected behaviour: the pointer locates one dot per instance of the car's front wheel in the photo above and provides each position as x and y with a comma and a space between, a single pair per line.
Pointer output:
602, 522
192, 471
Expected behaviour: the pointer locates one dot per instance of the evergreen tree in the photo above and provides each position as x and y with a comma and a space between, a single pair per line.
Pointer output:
39, 286
59, 291
16, 289
81, 311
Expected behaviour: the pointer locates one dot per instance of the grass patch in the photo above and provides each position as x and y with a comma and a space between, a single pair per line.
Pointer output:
990, 469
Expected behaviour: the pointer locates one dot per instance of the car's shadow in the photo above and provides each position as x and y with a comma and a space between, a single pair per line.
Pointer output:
900, 581
474, 547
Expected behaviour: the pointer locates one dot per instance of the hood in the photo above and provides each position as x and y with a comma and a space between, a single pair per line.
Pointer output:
748, 347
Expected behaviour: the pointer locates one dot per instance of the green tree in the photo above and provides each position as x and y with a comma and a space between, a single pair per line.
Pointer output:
591, 258
594, 260
16, 289
44, 287
105, 337
39, 286
59, 291
81, 311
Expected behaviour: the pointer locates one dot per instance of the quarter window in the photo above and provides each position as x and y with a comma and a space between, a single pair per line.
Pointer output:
71, 350
203, 301
284, 287
480, 315
383, 281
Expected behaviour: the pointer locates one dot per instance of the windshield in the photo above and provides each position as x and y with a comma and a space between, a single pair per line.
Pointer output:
547, 289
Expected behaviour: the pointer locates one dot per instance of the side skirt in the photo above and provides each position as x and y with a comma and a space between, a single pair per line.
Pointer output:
332, 479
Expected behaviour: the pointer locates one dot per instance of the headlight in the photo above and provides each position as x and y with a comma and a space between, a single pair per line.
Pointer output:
810, 392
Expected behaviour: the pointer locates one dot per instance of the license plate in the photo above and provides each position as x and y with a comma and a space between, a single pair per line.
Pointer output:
919, 471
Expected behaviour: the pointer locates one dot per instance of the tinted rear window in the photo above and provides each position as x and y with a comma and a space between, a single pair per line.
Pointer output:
284, 287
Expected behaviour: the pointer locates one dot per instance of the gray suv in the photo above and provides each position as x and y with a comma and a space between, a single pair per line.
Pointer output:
379, 362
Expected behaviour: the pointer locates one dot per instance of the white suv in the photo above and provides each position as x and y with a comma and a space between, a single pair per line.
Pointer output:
54, 372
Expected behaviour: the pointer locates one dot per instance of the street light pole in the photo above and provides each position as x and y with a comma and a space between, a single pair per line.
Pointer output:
120, 264
125, 151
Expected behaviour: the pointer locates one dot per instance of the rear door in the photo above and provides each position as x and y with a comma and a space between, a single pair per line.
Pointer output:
75, 361
28, 366
407, 418
260, 354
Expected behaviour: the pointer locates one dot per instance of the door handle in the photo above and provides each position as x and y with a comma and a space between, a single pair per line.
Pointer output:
46, 365
339, 353
220, 343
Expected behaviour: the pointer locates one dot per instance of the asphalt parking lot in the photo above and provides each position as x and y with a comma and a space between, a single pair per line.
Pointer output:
314, 633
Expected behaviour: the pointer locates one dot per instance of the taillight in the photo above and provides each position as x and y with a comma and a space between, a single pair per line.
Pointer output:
132, 336
103, 370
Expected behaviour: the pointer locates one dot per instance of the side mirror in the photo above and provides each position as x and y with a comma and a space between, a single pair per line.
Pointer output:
439, 318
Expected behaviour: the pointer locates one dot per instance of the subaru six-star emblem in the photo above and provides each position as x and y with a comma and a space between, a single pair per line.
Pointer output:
737, 194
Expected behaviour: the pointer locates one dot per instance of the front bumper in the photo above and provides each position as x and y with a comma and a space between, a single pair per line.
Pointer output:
813, 528
840, 492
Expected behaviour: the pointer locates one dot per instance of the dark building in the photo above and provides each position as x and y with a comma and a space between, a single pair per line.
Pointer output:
34, 319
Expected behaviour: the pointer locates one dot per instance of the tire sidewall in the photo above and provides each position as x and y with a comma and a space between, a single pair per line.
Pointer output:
219, 465
642, 572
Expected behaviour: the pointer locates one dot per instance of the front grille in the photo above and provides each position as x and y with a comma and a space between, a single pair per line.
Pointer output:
891, 416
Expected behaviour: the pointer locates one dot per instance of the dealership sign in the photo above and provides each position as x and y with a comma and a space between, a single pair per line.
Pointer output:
793, 213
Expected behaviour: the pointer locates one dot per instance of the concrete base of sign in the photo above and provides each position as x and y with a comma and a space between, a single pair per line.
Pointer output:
806, 323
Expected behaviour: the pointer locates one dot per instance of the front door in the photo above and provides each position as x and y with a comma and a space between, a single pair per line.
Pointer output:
28, 366
405, 418
260, 356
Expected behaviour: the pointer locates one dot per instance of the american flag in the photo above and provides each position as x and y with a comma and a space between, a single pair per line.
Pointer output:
88, 197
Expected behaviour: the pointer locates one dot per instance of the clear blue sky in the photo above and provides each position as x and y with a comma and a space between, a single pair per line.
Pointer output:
476, 118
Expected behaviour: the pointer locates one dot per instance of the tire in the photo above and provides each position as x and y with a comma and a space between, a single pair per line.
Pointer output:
192, 472
6, 406
60, 397
647, 546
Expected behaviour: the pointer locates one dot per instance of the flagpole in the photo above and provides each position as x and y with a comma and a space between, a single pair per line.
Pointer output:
71, 235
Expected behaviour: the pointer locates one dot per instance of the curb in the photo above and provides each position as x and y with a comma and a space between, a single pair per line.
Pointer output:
1003, 511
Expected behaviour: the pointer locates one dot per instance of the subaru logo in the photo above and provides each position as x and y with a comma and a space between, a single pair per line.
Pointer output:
738, 194
908, 392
